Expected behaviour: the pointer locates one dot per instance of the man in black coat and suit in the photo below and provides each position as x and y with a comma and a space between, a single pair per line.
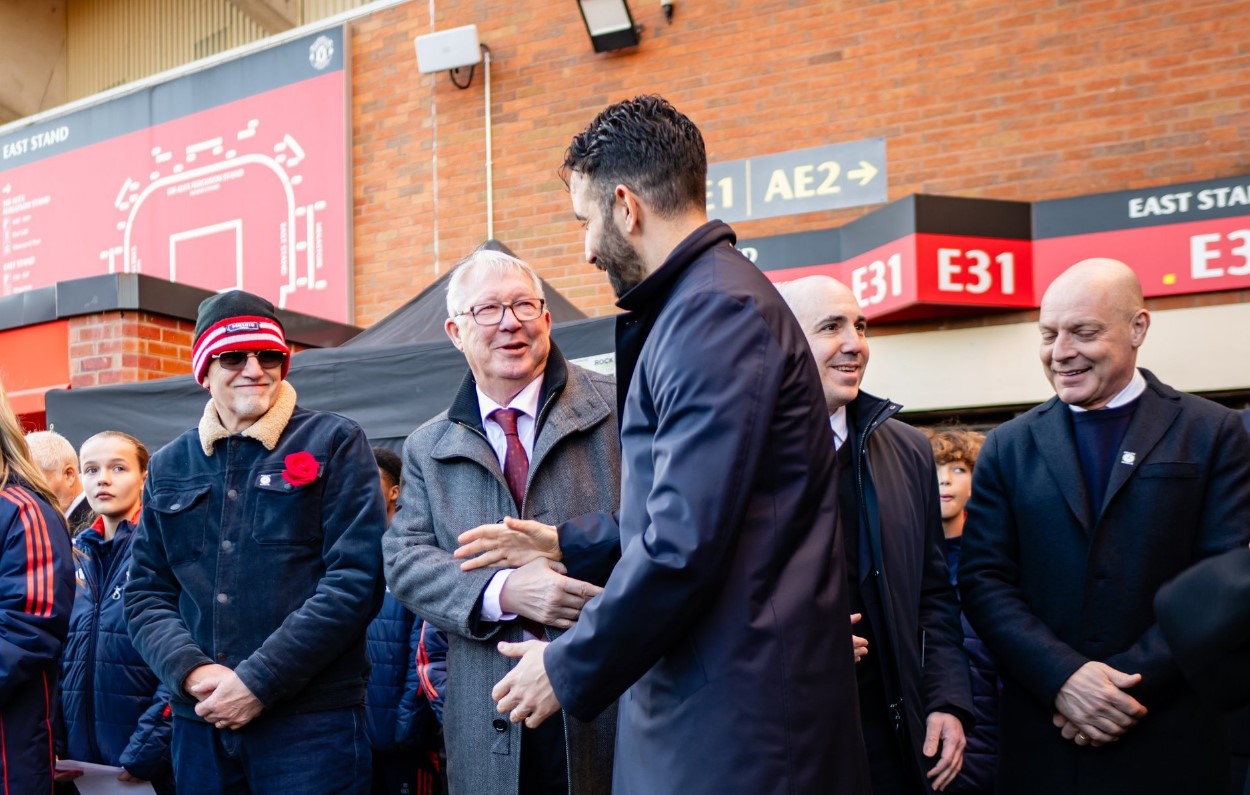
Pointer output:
914, 691
724, 626
1081, 510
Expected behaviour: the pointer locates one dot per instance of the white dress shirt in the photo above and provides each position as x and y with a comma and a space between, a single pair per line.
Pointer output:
526, 401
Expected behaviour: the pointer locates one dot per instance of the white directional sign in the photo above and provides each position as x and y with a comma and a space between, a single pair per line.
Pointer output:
800, 181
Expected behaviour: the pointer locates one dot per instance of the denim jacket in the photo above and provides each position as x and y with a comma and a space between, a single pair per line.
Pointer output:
232, 564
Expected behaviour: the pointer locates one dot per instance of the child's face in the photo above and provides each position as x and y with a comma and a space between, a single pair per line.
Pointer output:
954, 488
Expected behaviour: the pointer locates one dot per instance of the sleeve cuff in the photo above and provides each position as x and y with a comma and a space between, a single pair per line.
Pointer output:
491, 610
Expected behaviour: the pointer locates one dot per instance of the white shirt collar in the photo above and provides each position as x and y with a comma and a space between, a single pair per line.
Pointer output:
526, 400
1136, 385
837, 421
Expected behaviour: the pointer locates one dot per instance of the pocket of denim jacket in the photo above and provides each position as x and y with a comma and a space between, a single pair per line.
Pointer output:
282, 513
183, 521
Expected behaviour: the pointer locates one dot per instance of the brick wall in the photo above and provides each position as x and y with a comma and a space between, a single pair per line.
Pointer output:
1031, 100
123, 347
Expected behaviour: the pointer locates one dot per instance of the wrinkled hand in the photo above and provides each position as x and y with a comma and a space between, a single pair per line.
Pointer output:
1094, 707
510, 544
538, 591
944, 730
525, 694
858, 644
229, 704
203, 679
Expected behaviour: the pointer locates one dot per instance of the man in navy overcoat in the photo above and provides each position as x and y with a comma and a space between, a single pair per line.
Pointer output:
725, 621
1081, 509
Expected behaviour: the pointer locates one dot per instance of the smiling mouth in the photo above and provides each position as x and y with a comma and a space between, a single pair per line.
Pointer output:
1070, 373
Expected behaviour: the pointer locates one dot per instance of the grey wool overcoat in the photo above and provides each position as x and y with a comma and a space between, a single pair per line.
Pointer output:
452, 482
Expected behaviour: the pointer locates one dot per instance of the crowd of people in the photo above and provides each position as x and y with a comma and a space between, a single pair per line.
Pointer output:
727, 569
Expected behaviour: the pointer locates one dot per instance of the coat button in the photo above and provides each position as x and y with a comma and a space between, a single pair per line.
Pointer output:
221, 656
175, 506
500, 724
232, 494
222, 598
226, 545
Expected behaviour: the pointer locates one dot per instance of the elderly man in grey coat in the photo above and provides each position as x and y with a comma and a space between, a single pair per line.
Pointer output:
528, 436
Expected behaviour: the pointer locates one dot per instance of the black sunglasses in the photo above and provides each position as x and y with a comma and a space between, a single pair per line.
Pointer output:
237, 360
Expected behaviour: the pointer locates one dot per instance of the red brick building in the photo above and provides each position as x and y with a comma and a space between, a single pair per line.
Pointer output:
1029, 101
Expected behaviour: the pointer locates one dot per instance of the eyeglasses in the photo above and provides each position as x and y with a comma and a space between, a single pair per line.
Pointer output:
237, 360
492, 314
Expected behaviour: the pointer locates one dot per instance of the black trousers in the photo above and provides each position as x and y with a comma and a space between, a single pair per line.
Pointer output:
544, 765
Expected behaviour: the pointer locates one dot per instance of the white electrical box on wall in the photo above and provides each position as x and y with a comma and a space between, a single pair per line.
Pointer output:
447, 49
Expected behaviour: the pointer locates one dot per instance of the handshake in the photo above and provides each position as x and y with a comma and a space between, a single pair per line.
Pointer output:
540, 588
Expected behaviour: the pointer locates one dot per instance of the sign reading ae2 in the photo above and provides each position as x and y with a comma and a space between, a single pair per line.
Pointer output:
801, 181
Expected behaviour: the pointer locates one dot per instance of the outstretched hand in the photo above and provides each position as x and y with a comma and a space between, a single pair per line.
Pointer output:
525, 694
509, 544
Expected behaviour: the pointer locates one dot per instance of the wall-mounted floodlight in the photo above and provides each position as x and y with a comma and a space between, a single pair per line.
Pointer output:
609, 23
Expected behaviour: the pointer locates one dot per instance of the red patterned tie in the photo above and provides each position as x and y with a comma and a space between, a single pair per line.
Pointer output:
516, 465
516, 468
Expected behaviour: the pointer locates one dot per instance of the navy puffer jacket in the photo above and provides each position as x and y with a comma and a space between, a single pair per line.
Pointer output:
981, 753
115, 710
397, 714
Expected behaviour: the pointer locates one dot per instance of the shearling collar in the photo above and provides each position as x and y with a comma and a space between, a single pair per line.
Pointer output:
267, 430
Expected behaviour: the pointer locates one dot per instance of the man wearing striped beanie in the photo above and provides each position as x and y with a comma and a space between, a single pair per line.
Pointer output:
256, 571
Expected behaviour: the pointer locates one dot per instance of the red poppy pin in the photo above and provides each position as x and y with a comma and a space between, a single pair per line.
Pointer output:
301, 468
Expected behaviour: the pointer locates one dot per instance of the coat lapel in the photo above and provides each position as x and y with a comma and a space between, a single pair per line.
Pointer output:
577, 409
460, 441
1056, 444
1155, 413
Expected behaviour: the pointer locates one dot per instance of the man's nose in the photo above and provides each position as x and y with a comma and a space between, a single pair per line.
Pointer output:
1062, 348
509, 320
252, 368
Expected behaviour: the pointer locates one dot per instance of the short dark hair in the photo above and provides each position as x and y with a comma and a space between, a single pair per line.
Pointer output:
389, 463
647, 145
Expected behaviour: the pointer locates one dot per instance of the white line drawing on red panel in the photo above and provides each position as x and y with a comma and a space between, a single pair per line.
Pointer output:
172, 226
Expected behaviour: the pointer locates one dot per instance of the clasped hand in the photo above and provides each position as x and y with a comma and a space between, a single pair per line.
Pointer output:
224, 700
1093, 707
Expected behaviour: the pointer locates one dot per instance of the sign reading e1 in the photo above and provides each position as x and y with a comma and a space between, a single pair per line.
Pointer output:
801, 181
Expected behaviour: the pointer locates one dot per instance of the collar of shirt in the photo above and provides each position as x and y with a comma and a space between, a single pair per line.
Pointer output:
837, 421
1136, 385
527, 401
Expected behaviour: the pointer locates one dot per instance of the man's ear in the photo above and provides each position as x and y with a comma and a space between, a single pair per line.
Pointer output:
630, 207
70, 473
453, 332
1138, 326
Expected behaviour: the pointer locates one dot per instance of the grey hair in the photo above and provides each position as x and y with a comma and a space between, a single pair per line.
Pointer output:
487, 262
50, 450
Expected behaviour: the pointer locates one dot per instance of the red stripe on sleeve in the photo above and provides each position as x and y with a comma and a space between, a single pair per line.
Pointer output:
40, 576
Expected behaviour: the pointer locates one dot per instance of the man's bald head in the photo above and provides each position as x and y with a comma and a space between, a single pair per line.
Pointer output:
836, 332
1110, 280
1093, 319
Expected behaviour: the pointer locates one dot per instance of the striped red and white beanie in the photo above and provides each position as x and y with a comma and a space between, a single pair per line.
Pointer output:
235, 321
